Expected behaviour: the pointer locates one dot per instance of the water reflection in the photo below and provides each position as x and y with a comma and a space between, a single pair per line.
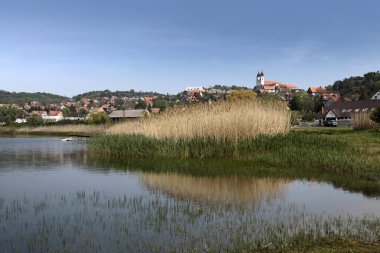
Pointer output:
217, 190
40, 153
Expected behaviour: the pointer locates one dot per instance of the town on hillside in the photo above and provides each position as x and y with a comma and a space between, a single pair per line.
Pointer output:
319, 105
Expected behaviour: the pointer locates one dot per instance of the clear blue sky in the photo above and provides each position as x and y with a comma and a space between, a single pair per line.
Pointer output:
73, 46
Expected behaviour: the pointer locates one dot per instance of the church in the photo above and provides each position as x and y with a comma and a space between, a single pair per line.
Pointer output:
264, 86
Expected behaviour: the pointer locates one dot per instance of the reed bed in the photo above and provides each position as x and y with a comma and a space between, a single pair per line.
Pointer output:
221, 121
95, 222
283, 152
362, 121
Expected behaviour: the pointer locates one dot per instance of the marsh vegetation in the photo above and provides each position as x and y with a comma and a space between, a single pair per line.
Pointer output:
96, 222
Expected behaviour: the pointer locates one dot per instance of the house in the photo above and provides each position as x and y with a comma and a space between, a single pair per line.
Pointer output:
53, 116
376, 96
312, 90
20, 121
149, 101
41, 113
193, 93
345, 110
127, 114
328, 99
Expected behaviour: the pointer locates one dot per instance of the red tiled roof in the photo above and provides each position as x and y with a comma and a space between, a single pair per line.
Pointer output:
38, 112
54, 113
155, 110
283, 85
316, 89
289, 85
270, 83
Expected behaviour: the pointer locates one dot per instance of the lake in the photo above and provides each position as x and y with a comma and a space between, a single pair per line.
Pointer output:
55, 196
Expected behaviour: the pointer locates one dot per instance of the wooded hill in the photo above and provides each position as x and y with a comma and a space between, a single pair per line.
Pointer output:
357, 87
120, 94
25, 97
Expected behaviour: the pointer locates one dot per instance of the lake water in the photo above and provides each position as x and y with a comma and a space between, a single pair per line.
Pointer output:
53, 196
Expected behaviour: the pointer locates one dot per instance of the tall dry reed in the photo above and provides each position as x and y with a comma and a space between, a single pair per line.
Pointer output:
221, 121
362, 121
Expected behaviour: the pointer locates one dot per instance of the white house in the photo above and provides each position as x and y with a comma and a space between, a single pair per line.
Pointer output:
53, 116
376, 96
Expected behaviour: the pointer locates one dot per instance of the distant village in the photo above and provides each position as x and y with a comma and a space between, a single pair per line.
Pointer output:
330, 104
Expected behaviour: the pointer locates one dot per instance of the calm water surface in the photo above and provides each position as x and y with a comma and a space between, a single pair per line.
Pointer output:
53, 197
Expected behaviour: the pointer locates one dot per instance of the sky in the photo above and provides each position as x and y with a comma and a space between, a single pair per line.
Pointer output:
69, 47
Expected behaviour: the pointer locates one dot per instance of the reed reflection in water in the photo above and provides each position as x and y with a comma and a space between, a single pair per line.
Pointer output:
232, 190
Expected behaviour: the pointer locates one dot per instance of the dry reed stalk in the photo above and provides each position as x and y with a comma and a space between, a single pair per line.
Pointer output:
362, 121
218, 190
221, 121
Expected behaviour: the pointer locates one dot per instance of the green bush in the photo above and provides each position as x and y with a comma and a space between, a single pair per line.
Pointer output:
35, 120
375, 116
98, 118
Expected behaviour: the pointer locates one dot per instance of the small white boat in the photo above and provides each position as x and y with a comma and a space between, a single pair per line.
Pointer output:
68, 139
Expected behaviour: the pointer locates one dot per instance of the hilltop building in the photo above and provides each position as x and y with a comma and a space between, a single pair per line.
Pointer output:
264, 86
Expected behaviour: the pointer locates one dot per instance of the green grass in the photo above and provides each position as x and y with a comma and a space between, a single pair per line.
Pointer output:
336, 153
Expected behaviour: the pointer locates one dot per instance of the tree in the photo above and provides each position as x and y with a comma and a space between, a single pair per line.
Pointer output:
82, 112
35, 120
160, 103
98, 118
9, 114
141, 104
375, 115
295, 104
66, 112
302, 102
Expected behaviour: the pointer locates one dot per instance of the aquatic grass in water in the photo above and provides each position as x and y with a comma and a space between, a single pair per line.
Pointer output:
293, 150
93, 221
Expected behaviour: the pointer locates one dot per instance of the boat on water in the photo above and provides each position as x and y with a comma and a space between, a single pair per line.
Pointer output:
68, 139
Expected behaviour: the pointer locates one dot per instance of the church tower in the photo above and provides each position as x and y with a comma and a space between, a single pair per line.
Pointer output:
260, 80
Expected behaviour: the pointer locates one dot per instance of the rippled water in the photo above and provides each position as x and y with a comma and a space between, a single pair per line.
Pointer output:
52, 196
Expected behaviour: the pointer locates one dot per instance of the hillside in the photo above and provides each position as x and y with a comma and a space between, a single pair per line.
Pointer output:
358, 87
108, 93
25, 97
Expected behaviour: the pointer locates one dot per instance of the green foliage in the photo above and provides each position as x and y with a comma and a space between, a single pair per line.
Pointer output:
35, 120
26, 97
225, 87
66, 112
293, 150
9, 114
98, 118
160, 103
141, 104
295, 118
242, 95
108, 93
269, 97
308, 116
375, 115
358, 87
306, 105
